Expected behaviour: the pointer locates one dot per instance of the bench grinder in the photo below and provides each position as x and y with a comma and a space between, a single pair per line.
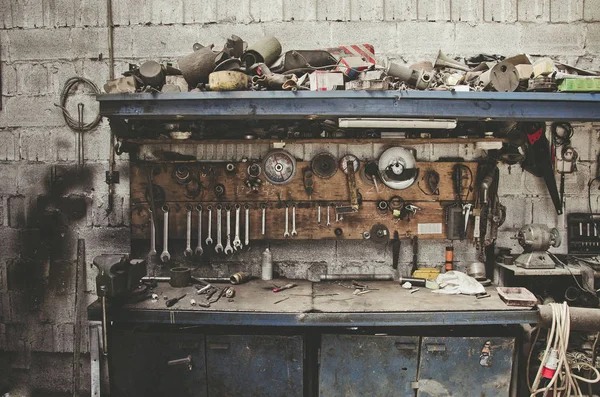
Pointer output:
536, 239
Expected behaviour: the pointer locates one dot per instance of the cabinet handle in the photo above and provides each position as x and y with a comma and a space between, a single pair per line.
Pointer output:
405, 346
218, 346
436, 347
180, 361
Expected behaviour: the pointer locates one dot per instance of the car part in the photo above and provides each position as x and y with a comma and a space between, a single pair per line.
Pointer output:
535, 240
266, 50
324, 165
239, 278
397, 168
180, 277
444, 61
227, 80
196, 66
380, 234
415, 78
279, 167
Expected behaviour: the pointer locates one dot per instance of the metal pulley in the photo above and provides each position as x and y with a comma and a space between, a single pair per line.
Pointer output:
324, 165
397, 168
279, 167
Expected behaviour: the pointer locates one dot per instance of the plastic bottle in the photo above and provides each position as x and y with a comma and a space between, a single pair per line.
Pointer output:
267, 265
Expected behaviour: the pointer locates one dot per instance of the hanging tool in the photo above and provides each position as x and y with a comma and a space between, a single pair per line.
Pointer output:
171, 302
263, 207
237, 243
294, 232
286, 233
279, 167
467, 213
349, 164
188, 235
247, 225
415, 249
398, 168
209, 239
287, 286
219, 246
228, 248
152, 235
566, 165
165, 256
395, 250
324, 165
199, 249
328, 218
319, 213
372, 171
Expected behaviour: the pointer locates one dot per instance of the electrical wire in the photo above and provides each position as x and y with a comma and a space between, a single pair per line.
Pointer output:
565, 137
555, 258
563, 382
73, 123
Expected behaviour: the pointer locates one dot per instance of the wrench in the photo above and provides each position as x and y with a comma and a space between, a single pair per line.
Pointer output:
152, 235
219, 246
319, 215
237, 243
294, 232
188, 236
165, 256
247, 225
199, 249
328, 218
263, 206
209, 239
286, 233
228, 248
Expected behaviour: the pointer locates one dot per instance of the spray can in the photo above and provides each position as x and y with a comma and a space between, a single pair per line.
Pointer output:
267, 265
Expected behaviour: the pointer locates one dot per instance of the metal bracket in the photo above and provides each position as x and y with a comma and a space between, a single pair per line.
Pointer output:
112, 177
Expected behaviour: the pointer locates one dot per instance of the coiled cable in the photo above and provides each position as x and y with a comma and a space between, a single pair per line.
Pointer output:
73, 123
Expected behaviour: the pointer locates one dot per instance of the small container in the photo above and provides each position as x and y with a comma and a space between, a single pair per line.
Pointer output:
449, 265
267, 265
239, 278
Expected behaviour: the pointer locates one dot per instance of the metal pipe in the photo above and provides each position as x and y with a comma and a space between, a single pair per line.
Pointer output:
160, 279
111, 74
582, 319
365, 277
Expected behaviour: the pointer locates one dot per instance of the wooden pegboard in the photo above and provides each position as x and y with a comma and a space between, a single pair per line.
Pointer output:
332, 191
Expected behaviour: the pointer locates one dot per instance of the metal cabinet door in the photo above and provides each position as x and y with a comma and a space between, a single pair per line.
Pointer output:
254, 365
465, 366
364, 365
138, 364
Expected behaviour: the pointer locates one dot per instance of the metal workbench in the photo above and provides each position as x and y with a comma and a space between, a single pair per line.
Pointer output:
307, 104
322, 305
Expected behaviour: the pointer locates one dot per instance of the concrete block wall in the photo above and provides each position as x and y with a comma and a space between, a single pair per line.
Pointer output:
44, 42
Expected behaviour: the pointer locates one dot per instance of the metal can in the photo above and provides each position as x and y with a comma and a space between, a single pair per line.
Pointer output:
267, 265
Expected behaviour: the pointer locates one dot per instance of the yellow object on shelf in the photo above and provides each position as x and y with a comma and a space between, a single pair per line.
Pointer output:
428, 273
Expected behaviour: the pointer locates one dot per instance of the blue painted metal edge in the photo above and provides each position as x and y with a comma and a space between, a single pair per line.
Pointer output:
282, 104
362, 319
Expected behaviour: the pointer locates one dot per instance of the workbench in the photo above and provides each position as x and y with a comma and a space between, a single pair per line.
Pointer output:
315, 336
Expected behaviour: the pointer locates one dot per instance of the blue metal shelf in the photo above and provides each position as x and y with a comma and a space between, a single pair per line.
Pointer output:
306, 104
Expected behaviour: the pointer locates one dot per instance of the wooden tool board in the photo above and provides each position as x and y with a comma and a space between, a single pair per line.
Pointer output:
326, 191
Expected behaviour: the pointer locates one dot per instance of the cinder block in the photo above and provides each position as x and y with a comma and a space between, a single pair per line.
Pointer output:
166, 13
6, 14
321, 250
533, 10
367, 10
500, 11
37, 44
59, 72
382, 35
467, 10
42, 339
566, 10
512, 179
333, 10
266, 11
400, 10
311, 150
9, 79
10, 148
519, 212
63, 338
545, 39
59, 13
591, 11
488, 38
293, 11
90, 13
15, 337
17, 211
32, 79
52, 373
434, 10
234, 11
11, 247
27, 14
592, 38
200, 11
410, 40
24, 111
292, 35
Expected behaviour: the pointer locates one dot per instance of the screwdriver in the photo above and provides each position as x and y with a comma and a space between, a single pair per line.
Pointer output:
173, 301
287, 286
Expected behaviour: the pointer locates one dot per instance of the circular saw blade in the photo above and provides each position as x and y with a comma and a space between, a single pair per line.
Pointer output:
324, 165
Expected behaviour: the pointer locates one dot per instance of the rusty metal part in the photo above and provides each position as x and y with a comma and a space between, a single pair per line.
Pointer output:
227, 80
152, 74
196, 66
366, 277
201, 280
266, 50
582, 319
239, 278
324, 165
180, 277
283, 288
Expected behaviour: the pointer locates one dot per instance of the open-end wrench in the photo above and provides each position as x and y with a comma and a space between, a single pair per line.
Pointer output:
328, 217
228, 248
247, 225
319, 214
237, 243
219, 246
188, 236
263, 207
287, 213
199, 249
165, 256
294, 232
152, 235
209, 239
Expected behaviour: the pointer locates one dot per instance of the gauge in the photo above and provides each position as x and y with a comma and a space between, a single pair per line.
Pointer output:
324, 165
279, 167
349, 158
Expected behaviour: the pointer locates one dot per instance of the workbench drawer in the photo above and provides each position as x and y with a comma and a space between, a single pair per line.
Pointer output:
139, 364
365, 365
465, 366
255, 365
